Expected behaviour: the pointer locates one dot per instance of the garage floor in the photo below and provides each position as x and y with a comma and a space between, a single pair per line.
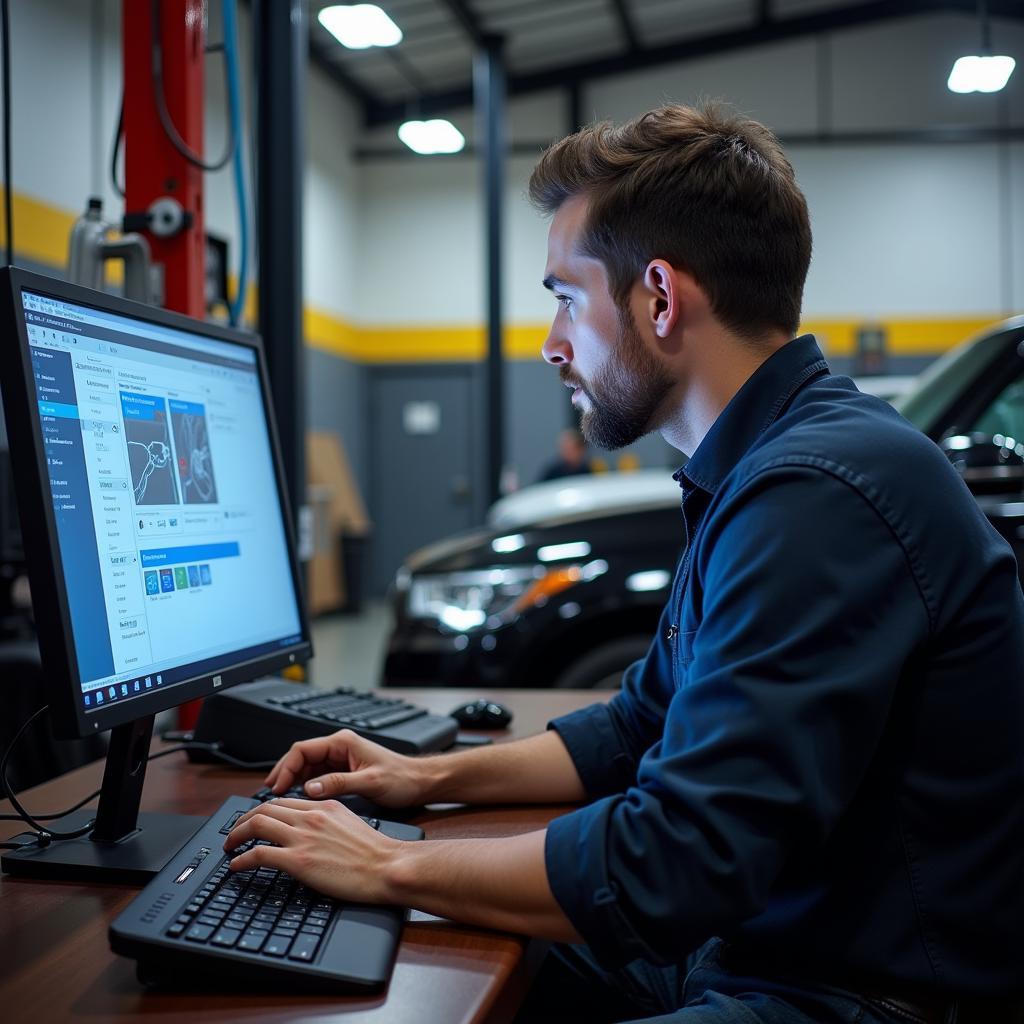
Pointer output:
349, 649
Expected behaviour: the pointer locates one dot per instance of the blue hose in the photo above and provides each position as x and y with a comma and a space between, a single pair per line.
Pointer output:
236, 307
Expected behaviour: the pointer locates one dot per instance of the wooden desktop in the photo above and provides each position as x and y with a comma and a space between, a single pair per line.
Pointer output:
56, 964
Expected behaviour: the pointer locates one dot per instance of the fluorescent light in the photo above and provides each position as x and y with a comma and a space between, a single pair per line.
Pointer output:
360, 26
651, 579
428, 137
980, 74
506, 545
556, 552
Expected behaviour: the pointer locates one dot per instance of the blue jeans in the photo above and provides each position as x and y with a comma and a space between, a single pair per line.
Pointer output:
570, 986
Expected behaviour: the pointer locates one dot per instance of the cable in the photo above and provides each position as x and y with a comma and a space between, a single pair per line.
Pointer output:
214, 750
46, 834
5, 16
237, 307
118, 139
161, 102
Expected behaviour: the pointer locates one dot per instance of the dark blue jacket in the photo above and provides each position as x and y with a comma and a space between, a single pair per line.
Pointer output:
821, 757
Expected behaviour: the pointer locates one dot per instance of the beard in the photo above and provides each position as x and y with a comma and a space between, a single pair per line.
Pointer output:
625, 393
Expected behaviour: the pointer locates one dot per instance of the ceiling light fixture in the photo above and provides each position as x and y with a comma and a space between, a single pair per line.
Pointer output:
430, 137
360, 26
985, 73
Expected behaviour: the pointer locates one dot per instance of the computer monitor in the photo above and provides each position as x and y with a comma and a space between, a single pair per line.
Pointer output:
156, 531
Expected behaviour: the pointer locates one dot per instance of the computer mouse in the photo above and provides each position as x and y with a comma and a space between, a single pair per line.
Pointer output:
482, 714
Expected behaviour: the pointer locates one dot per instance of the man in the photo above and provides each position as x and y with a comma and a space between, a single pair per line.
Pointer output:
821, 758
572, 458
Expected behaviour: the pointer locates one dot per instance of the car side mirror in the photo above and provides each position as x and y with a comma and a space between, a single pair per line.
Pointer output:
988, 463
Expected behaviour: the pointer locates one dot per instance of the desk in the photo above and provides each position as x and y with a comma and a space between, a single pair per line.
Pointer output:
56, 964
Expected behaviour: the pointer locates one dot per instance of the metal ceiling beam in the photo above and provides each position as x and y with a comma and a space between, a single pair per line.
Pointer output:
774, 30
882, 137
468, 20
625, 19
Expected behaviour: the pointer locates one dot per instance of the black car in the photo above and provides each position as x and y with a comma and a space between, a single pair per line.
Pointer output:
565, 585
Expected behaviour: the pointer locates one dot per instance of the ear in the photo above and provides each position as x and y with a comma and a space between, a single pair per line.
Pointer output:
664, 297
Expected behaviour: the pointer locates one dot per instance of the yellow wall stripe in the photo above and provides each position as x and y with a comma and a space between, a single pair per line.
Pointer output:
916, 337
42, 232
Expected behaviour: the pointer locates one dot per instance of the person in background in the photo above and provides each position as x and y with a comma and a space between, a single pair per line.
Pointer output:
572, 458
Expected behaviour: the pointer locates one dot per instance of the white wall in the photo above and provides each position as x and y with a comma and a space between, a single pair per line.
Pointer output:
900, 230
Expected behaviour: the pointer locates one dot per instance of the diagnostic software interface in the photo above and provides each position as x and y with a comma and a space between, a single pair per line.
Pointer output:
173, 543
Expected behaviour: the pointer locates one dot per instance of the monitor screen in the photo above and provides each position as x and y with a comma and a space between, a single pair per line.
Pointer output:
168, 518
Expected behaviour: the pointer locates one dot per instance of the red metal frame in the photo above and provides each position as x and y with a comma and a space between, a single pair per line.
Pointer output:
153, 166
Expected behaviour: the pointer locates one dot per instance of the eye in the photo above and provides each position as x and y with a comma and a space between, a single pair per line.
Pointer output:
566, 302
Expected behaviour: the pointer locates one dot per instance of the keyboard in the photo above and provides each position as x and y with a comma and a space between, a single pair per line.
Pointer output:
260, 721
198, 923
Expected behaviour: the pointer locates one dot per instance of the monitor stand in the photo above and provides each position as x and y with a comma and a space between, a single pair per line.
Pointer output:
124, 845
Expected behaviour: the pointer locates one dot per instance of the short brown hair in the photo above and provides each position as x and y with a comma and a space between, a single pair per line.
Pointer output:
707, 190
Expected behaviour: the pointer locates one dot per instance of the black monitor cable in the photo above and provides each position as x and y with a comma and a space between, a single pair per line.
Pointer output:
166, 121
47, 834
5, 18
116, 152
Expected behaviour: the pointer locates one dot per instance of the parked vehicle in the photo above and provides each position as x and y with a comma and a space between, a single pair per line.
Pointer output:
564, 585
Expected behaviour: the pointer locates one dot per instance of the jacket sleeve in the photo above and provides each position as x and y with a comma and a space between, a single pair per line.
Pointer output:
810, 614
607, 741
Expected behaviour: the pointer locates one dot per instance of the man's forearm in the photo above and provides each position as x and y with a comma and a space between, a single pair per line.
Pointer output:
495, 883
534, 770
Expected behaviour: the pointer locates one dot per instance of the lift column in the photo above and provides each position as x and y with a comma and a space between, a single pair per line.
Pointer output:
155, 171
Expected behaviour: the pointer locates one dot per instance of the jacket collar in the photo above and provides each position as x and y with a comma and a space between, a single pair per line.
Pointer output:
751, 411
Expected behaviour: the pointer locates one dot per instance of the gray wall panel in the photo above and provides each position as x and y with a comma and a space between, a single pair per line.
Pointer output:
337, 395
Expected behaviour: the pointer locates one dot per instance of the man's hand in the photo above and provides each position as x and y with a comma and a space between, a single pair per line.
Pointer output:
496, 883
347, 763
323, 845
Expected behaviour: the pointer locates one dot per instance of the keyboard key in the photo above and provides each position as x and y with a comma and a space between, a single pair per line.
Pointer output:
277, 945
311, 929
199, 933
304, 948
394, 717
226, 937
209, 919
252, 941
175, 930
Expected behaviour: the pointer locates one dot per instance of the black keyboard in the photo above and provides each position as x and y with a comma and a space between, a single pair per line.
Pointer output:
198, 922
345, 708
260, 721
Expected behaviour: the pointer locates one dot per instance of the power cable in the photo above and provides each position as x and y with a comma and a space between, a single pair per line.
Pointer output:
118, 139
237, 306
161, 102
46, 834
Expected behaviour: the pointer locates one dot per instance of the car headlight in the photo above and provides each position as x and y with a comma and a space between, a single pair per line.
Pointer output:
467, 601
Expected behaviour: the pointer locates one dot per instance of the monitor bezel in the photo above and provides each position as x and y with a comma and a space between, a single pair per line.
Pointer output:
39, 529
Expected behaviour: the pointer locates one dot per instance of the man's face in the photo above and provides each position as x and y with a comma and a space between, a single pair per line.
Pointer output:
618, 382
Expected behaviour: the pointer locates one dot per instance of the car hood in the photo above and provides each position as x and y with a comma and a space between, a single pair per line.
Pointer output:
582, 496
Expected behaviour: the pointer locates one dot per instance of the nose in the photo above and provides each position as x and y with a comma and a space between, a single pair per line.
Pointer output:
556, 349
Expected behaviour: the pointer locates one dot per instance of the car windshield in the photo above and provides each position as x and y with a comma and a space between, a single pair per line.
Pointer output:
938, 385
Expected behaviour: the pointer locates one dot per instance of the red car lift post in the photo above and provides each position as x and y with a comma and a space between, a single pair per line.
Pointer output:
154, 168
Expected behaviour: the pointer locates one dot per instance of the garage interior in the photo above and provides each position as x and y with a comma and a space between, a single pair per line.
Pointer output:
440, 541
